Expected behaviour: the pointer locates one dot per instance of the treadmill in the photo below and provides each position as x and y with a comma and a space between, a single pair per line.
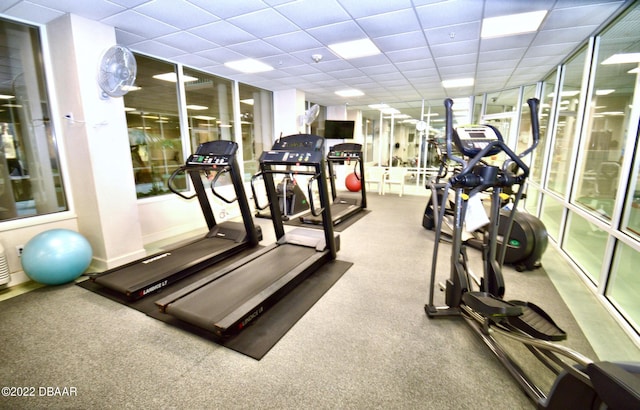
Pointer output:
152, 273
343, 207
228, 299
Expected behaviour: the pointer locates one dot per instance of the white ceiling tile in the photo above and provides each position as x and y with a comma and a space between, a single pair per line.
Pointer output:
504, 8
449, 34
563, 35
94, 10
187, 42
193, 60
157, 49
359, 8
140, 24
228, 9
178, 13
291, 42
455, 48
422, 41
310, 13
448, 13
413, 54
264, 23
223, 33
255, 48
33, 12
519, 41
398, 42
585, 15
390, 23
337, 32
499, 55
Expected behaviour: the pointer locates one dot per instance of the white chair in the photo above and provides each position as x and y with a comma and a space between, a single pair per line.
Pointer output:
374, 175
395, 176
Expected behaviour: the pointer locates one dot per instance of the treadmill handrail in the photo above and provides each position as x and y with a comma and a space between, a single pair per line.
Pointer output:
174, 174
213, 188
314, 212
253, 191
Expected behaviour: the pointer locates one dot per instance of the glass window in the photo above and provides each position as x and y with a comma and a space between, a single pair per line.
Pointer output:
546, 101
566, 125
209, 101
501, 112
256, 120
30, 179
585, 244
551, 215
624, 284
610, 123
154, 127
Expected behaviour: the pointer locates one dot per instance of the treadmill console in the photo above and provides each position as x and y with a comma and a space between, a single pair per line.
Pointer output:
298, 149
213, 153
471, 139
345, 151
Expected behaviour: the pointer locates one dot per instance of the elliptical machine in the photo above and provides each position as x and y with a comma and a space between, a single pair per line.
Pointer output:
528, 238
580, 382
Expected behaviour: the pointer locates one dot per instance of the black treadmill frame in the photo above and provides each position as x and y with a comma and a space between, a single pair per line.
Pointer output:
191, 303
354, 153
225, 154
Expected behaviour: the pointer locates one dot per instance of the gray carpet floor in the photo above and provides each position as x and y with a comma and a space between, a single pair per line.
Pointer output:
367, 344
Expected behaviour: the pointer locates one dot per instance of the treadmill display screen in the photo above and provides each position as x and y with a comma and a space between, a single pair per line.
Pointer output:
196, 159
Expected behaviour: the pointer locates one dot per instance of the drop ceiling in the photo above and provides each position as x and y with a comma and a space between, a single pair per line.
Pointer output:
423, 42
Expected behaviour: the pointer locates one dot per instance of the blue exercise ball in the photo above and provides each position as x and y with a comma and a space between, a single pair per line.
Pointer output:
56, 256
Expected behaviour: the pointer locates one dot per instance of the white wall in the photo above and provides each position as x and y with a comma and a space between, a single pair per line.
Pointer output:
288, 105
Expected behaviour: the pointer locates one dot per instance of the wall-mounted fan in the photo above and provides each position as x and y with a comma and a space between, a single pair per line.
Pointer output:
117, 71
309, 116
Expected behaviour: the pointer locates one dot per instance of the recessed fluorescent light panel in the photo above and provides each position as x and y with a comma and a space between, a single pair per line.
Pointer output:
196, 107
461, 82
512, 24
355, 49
349, 93
248, 66
624, 58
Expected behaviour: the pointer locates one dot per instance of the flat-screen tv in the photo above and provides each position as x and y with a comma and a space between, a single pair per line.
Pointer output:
335, 129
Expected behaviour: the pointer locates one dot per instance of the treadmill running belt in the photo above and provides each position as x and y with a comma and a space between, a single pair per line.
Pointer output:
211, 303
134, 277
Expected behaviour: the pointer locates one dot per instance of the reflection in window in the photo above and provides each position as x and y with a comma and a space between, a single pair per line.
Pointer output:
551, 216
624, 285
30, 180
585, 243
609, 121
256, 120
566, 124
154, 127
209, 104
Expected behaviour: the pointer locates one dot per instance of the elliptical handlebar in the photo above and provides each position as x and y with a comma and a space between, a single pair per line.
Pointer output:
467, 178
448, 105
534, 104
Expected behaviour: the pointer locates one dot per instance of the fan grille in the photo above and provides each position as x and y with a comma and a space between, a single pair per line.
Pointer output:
117, 71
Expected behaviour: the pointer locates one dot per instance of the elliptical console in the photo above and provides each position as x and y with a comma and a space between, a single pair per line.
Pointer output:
471, 139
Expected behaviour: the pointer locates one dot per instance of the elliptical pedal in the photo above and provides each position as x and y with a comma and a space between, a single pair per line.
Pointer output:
536, 322
490, 306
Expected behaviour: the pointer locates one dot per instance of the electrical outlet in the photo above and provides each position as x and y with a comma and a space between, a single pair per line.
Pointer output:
19, 250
